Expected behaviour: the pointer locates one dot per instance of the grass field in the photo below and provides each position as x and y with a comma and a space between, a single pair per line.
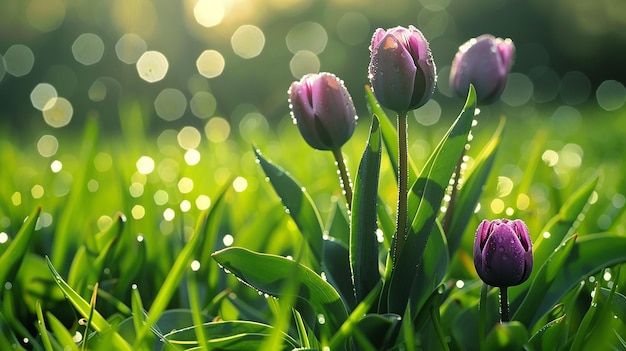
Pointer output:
106, 240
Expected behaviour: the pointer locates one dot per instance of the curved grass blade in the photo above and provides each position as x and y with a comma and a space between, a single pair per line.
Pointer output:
472, 188
15, 253
543, 278
97, 321
270, 274
228, 335
589, 255
363, 224
550, 336
41, 327
389, 133
425, 199
299, 204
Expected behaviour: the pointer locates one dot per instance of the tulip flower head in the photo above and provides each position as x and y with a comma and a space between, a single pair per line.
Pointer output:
503, 253
484, 62
323, 110
402, 71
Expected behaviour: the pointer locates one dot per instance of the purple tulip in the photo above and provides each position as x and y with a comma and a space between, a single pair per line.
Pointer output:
323, 110
503, 254
484, 62
402, 71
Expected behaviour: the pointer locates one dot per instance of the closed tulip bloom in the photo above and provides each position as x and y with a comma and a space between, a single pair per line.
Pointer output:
484, 62
402, 71
323, 110
503, 253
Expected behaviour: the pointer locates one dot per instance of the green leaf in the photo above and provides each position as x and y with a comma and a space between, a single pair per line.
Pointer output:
507, 336
424, 200
97, 321
589, 255
299, 204
11, 259
587, 323
543, 279
550, 336
618, 303
363, 225
380, 328
469, 194
229, 335
269, 274
62, 335
389, 134
432, 268
337, 269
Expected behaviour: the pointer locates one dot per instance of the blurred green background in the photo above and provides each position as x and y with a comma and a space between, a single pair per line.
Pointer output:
230, 58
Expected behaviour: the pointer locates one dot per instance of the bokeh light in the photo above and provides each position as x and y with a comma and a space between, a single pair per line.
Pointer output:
47, 145
189, 138
170, 104
310, 36
248, 41
210, 63
145, 165
58, 112
130, 47
210, 13
45, 15
304, 62
611, 95
19, 60
203, 104
203, 202
353, 28
88, 49
152, 66
217, 129
518, 90
42, 94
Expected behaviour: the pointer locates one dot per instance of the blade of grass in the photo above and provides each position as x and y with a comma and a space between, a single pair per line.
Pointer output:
15, 253
41, 326
300, 206
363, 224
84, 308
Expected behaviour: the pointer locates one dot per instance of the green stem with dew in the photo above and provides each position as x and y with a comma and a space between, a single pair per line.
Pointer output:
344, 176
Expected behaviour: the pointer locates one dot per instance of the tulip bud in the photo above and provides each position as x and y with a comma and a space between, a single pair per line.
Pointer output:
402, 71
484, 62
503, 254
323, 110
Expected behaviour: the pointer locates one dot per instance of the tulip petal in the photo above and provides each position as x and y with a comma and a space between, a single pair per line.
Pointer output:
392, 73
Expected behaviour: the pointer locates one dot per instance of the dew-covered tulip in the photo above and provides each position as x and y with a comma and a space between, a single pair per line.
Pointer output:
323, 110
485, 62
503, 254
401, 70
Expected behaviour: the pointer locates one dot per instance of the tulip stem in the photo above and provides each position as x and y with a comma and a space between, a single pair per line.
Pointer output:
504, 305
482, 315
403, 179
344, 176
